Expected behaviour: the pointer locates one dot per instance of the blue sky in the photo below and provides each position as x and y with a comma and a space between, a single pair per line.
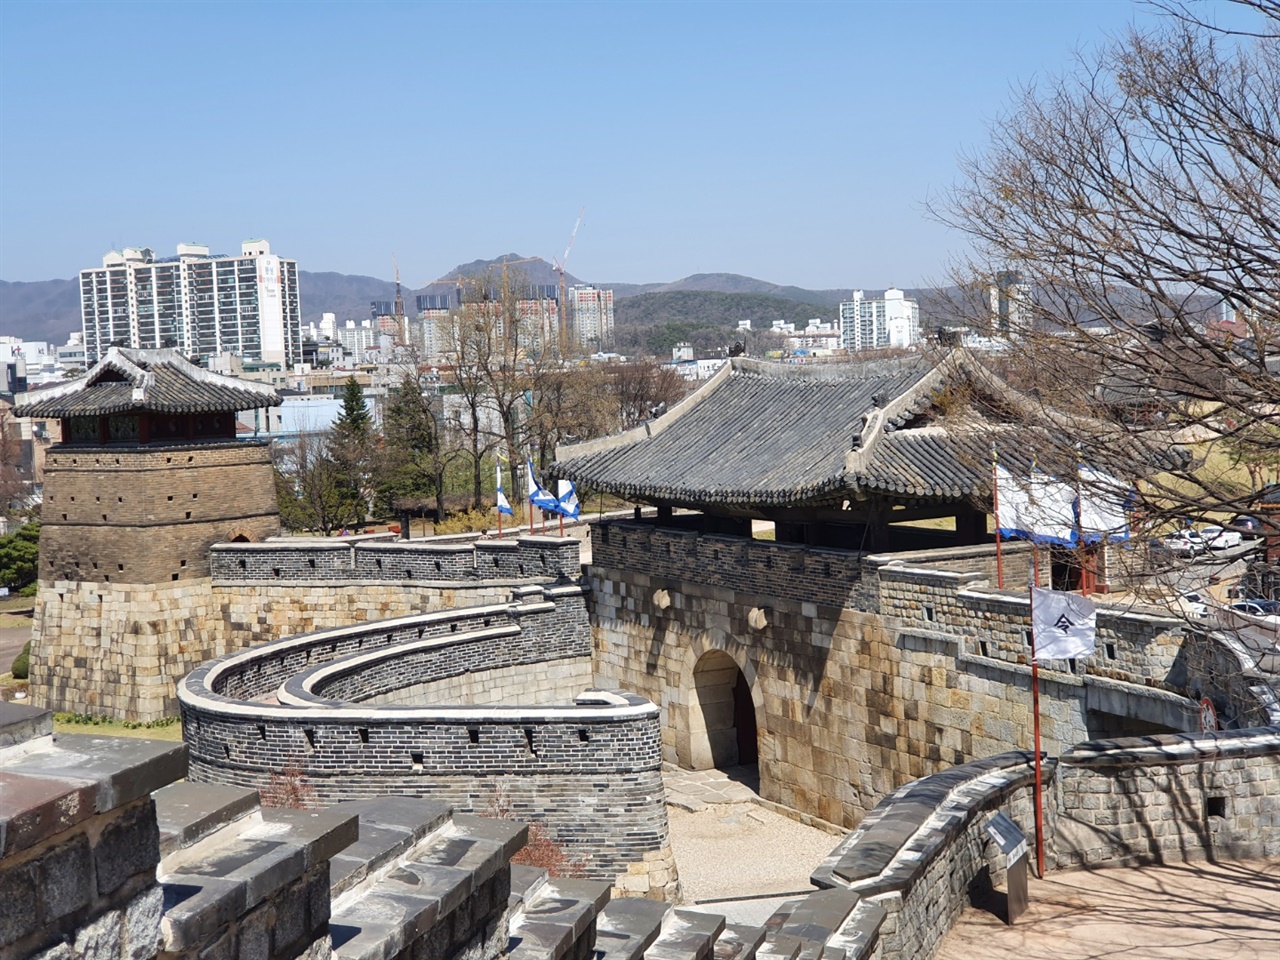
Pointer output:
792, 142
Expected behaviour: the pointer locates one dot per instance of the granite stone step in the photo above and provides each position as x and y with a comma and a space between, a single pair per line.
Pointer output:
411, 894
558, 920
800, 928
626, 927
738, 941
188, 812
207, 889
686, 935
389, 828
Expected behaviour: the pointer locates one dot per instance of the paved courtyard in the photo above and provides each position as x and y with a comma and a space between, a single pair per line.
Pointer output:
1198, 911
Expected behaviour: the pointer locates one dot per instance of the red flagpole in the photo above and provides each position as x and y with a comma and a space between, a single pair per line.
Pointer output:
995, 509
1035, 709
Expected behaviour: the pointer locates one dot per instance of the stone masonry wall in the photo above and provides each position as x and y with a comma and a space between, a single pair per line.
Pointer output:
591, 771
118, 649
148, 515
537, 684
1171, 798
849, 703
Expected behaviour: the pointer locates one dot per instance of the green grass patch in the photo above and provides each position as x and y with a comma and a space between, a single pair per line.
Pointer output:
169, 728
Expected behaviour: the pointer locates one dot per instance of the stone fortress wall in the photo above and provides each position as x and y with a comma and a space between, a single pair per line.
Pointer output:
865, 671
121, 648
354, 713
123, 607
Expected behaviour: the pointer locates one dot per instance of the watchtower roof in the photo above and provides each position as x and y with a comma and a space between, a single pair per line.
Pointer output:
782, 434
159, 381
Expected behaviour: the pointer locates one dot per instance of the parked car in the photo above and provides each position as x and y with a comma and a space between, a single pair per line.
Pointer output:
1250, 528
1220, 538
1185, 543
1257, 608
1195, 604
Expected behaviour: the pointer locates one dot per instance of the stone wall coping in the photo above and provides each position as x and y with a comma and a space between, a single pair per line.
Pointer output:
20, 722
223, 665
290, 544
80, 776
114, 448
299, 690
221, 707
418, 546
916, 557
1175, 748
898, 571
355, 583
895, 843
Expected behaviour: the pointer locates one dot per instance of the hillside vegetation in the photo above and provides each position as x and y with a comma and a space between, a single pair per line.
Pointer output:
652, 323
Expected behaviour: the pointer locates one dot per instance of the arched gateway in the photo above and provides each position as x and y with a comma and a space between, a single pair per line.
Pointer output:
722, 717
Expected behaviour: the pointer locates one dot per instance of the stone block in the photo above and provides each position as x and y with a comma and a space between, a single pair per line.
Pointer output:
129, 845
65, 878
19, 911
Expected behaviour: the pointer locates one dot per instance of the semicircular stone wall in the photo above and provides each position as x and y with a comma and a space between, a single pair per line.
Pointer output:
372, 709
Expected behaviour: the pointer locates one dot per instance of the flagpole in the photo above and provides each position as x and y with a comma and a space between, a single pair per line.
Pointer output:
1035, 709
995, 509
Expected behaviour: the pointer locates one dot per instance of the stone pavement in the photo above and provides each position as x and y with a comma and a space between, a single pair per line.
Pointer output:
735, 853
1200, 911
694, 790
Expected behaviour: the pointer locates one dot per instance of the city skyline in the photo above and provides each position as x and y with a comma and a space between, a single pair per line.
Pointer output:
793, 143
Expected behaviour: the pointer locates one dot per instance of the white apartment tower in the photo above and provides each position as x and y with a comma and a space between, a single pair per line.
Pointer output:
201, 304
890, 321
1009, 296
591, 310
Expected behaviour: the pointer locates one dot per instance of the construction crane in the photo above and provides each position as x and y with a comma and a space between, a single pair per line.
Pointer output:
399, 308
560, 265
399, 297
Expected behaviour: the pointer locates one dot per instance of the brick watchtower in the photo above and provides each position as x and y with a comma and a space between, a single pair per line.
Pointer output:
148, 476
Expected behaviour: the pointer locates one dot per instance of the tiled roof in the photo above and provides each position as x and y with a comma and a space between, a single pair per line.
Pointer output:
161, 381
761, 433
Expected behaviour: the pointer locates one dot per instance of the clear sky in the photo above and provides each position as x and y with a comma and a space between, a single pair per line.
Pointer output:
794, 142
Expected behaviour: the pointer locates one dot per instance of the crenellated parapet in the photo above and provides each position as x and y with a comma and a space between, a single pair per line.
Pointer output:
374, 708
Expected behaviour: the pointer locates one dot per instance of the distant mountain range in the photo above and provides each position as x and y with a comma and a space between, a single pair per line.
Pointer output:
50, 309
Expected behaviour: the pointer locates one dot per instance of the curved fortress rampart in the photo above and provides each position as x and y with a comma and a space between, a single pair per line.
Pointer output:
316, 706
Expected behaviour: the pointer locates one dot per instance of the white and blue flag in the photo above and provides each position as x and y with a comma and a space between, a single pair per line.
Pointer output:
504, 506
567, 500
540, 498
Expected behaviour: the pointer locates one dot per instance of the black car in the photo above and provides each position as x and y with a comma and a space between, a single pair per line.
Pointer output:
1250, 527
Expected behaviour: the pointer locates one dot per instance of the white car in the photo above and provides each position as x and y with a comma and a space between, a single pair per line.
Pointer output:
1220, 538
1185, 543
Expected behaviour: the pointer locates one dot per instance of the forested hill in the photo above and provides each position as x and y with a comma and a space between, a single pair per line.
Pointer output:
652, 323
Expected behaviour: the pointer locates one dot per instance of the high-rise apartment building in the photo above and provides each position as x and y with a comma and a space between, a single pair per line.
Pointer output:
889, 321
1009, 297
199, 303
591, 310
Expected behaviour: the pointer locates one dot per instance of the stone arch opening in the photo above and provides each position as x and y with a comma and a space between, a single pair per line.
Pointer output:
722, 716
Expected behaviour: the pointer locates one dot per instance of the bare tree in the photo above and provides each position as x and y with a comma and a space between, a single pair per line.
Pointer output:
1114, 213
13, 480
